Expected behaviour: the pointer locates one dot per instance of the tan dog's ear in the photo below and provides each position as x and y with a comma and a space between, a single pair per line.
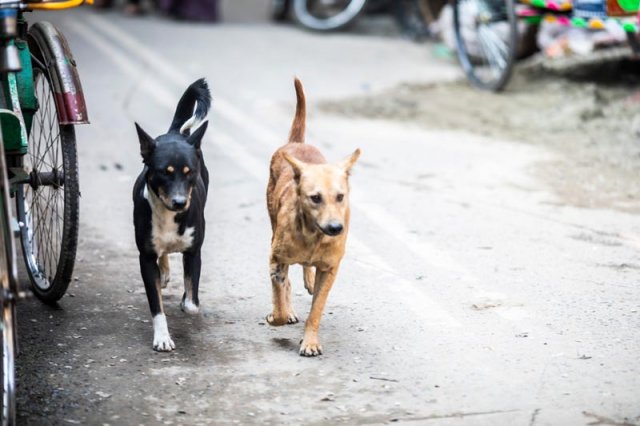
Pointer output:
297, 165
348, 162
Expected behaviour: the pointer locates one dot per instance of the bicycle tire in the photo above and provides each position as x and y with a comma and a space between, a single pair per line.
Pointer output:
7, 301
50, 257
344, 18
484, 68
8, 363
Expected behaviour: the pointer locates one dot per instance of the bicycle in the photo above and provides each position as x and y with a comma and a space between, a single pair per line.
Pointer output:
487, 39
41, 100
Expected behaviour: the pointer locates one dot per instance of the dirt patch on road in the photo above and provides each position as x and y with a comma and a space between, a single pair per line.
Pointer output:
591, 120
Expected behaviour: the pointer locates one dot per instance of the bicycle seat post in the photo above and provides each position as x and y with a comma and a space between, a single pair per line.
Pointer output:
9, 58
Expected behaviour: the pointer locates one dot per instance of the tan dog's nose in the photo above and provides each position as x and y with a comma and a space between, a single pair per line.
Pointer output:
333, 229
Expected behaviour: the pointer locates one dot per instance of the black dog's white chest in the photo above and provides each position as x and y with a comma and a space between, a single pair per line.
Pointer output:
165, 231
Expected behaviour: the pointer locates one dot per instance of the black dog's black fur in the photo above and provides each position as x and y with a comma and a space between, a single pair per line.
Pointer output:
169, 197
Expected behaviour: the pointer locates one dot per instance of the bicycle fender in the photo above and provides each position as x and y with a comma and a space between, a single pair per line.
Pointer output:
49, 46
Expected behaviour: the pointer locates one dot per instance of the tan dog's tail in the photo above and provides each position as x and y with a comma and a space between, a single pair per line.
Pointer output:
296, 135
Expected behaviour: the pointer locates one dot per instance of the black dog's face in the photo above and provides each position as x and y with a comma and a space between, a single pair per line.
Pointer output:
173, 161
172, 174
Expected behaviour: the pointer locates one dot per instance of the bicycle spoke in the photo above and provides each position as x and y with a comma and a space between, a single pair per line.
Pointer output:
497, 47
45, 202
495, 62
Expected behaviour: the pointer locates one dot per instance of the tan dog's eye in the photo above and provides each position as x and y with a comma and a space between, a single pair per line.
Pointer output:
186, 171
340, 197
317, 199
169, 170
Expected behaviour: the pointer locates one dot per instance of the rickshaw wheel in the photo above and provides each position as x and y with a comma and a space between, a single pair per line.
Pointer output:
48, 204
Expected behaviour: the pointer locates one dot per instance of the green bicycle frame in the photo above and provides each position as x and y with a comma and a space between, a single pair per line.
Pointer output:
46, 46
18, 101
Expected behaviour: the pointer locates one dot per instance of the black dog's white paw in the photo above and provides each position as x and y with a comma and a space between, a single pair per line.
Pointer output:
161, 339
189, 307
163, 343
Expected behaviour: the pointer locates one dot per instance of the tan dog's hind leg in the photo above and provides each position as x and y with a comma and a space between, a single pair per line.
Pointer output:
165, 272
310, 345
283, 312
309, 278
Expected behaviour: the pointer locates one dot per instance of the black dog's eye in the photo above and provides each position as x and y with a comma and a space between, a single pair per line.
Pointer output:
340, 197
316, 198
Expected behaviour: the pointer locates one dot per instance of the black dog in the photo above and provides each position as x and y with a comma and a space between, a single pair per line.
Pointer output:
168, 214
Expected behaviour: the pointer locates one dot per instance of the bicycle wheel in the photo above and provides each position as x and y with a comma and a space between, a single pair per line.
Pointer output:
486, 39
327, 15
7, 327
48, 205
7, 300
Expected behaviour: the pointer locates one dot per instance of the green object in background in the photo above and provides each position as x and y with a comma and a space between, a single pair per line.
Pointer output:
533, 20
440, 50
579, 22
539, 3
629, 5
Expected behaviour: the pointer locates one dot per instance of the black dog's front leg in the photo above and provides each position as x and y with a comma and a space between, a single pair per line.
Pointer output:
151, 277
191, 263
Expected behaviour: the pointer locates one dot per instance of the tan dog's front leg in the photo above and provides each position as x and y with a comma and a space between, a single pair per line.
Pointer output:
310, 345
283, 312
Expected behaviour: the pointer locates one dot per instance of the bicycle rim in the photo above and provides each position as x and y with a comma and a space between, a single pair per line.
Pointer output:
486, 39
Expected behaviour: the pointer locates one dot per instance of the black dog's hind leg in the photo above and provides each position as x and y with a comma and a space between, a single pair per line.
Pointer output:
192, 264
151, 277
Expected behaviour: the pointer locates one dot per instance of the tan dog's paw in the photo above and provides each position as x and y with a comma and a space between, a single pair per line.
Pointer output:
276, 321
311, 348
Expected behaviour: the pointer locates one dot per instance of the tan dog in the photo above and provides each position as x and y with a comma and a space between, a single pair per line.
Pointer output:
308, 202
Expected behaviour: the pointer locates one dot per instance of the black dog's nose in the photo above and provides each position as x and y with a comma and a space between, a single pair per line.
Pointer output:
179, 203
333, 229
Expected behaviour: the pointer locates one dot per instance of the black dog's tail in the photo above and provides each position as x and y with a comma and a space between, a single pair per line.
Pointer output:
197, 95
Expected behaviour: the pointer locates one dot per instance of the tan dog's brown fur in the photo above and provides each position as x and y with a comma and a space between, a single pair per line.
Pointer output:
304, 230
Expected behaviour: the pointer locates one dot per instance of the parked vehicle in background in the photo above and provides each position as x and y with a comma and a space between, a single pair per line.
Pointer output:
487, 38
413, 16
327, 15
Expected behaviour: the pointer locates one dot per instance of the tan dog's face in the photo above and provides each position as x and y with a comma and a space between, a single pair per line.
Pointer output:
324, 192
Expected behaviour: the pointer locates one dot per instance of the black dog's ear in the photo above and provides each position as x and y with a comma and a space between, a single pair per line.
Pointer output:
196, 137
147, 143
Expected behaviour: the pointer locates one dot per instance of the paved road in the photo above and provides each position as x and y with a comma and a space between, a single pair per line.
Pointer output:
469, 294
